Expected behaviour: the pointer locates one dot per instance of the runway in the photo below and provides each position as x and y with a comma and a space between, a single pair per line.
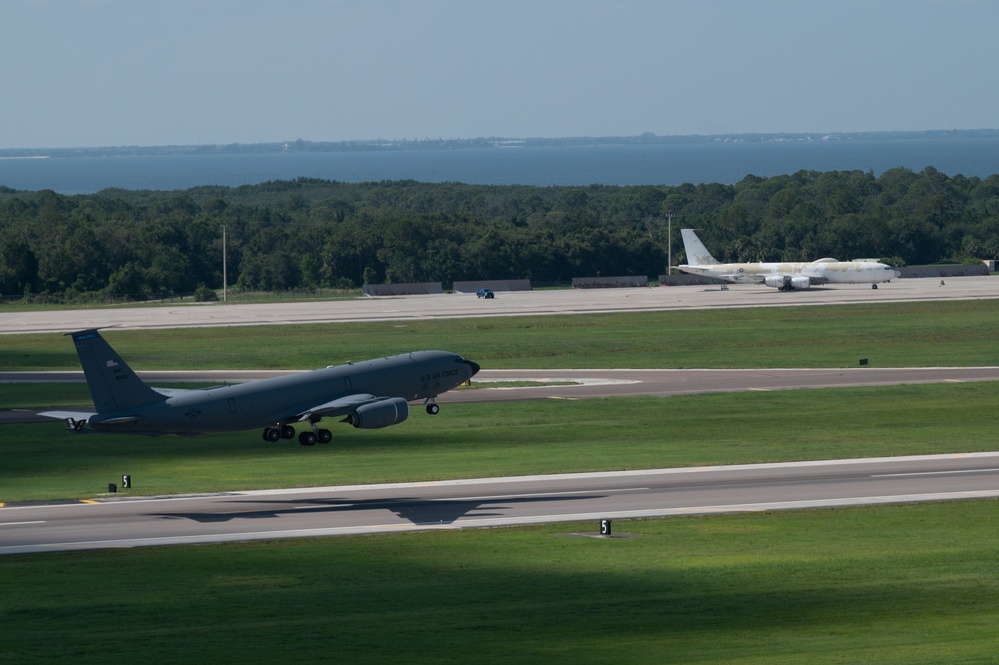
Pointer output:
510, 303
586, 497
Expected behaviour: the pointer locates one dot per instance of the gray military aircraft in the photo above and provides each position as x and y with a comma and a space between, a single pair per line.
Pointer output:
370, 395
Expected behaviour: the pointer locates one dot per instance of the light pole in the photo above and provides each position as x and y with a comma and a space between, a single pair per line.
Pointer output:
669, 244
225, 279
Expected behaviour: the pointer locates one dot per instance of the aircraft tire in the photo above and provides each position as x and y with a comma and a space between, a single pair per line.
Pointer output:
272, 435
307, 439
324, 436
287, 432
433, 409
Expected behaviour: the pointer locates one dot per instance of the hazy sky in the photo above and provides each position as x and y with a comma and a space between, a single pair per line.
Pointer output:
155, 72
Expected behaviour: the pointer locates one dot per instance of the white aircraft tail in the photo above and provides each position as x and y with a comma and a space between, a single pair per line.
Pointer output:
113, 385
697, 253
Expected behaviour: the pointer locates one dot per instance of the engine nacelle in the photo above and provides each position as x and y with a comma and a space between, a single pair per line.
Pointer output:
787, 282
800, 282
379, 414
776, 281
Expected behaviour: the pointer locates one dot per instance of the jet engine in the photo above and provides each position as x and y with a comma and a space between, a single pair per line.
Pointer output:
379, 414
777, 281
800, 282
787, 282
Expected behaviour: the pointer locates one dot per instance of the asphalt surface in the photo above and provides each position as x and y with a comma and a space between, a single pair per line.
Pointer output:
588, 497
508, 303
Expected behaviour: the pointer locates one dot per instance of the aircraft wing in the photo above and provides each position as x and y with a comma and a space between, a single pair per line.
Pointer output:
339, 407
714, 271
815, 274
743, 278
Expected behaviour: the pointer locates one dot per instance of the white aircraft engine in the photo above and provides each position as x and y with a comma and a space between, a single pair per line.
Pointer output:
777, 281
787, 282
379, 414
800, 282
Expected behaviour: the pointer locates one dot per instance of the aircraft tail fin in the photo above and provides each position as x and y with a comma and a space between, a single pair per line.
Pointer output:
113, 385
697, 253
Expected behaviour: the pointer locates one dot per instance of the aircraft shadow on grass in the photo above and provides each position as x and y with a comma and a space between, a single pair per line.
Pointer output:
418, 511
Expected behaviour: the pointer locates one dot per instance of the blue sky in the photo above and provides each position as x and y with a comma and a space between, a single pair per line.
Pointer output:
157, 72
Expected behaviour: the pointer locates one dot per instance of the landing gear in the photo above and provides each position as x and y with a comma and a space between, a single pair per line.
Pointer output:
874, 286
315, 436
432, 407
273, 434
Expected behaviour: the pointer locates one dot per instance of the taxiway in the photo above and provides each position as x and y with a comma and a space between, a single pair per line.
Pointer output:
509, 303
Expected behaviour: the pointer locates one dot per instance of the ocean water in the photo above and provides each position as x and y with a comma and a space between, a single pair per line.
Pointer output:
663, 164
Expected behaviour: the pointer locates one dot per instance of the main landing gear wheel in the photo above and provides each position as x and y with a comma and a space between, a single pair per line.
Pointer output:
287, 432
324, 436
307, 439
272, 435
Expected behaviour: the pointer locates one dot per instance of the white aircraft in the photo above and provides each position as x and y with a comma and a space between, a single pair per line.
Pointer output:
783, 276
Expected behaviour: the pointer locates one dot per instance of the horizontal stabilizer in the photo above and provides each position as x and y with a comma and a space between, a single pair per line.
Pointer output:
67, 415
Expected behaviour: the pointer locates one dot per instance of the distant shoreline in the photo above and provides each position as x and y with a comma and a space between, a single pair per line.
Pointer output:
383, 145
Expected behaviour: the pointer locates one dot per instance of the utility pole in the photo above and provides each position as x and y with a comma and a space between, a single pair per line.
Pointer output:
225, 274
669, 244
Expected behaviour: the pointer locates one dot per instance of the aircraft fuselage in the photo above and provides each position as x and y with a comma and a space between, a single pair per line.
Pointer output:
413, 376
823, 271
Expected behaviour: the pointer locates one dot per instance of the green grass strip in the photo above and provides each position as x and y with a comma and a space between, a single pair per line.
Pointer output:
897, 585
939, 333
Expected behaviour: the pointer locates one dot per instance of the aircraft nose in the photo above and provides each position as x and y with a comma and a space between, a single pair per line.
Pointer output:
475, 367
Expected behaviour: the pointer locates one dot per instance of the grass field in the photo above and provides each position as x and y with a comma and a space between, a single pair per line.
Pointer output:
899, 584
942, 333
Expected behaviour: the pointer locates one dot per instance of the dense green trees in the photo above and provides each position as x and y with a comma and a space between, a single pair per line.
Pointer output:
309, 233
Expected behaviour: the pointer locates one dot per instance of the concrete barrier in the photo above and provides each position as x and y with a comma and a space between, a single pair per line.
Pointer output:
494, 284
689, 280
415, 289
623, 282
979, 270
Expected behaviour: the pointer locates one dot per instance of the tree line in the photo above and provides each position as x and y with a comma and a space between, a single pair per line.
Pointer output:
310, 233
